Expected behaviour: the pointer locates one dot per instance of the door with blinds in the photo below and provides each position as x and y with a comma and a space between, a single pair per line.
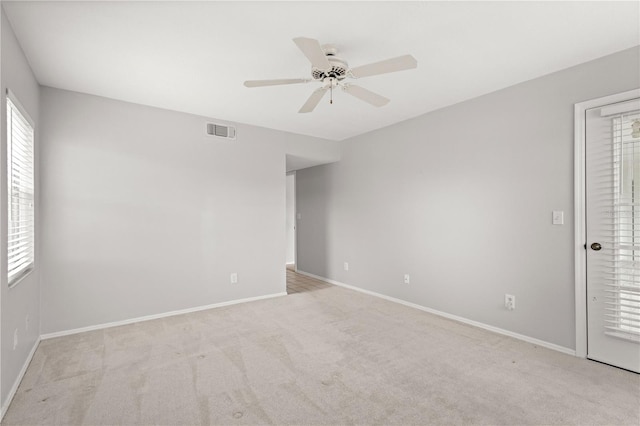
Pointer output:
613, 234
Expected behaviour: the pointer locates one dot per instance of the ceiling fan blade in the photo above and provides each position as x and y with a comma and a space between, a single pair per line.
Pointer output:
366, 95
312, 50
400, 63
260, 83
314, 100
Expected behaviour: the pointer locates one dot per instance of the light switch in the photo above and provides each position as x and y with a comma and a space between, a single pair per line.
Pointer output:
558, 217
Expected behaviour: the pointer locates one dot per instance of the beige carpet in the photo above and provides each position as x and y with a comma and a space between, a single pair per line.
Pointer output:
327, 356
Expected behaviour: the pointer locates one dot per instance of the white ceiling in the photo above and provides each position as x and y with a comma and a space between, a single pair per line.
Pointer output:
194, 56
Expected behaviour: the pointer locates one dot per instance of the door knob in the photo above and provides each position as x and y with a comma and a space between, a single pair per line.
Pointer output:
596, 246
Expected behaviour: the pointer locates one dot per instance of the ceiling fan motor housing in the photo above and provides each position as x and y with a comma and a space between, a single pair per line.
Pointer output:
338, 69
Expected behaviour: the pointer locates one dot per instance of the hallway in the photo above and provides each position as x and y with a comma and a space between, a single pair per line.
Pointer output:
298, 283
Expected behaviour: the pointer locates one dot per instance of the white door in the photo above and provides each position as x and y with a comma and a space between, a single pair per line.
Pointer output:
613, 234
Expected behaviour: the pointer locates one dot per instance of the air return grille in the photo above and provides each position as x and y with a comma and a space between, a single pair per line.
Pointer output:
221, 131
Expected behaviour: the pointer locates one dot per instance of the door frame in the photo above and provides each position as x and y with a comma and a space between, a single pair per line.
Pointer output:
580, 231
295, 220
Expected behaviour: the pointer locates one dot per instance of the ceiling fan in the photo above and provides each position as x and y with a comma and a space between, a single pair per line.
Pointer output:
331, 71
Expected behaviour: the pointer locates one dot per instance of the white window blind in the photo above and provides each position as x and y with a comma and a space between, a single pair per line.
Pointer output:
622, 286
20, 179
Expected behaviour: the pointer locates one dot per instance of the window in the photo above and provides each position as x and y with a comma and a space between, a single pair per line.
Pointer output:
20, 181
623, 297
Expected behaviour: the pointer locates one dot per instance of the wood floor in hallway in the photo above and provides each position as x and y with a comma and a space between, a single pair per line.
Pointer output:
298, 283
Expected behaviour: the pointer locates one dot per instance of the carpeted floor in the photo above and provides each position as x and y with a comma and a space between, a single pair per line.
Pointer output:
326, 356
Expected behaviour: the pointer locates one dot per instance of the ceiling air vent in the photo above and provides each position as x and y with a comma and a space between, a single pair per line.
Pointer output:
221, 131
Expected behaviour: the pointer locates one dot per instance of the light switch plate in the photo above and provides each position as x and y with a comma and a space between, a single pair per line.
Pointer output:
558, 217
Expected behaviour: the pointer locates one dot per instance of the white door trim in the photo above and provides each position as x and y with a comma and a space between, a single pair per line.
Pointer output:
295, 221
579, 211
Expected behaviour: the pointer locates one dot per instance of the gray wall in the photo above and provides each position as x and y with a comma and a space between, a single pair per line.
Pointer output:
142, 213
23, 299
461, 199
308, 152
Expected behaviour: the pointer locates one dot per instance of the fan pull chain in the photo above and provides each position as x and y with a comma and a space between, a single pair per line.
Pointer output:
331, 94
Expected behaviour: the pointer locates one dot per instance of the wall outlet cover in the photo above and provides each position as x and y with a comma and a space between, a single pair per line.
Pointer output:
509, 302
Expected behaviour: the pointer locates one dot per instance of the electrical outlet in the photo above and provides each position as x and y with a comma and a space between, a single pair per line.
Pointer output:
509, 302
406, 278
346, 266
234, 278
15, 339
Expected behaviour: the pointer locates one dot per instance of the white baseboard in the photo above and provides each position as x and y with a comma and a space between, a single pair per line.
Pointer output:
16, 384
449, 316
157, 316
